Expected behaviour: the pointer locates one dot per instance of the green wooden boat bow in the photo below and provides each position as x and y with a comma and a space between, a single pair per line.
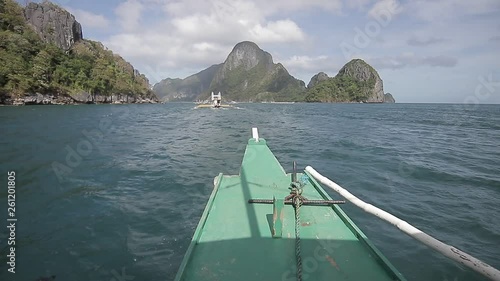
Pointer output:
295, 236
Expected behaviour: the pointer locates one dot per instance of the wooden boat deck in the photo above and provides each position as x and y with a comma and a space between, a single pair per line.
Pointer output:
233, 240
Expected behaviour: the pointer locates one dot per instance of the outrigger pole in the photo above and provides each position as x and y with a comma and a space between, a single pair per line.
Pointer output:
445, 249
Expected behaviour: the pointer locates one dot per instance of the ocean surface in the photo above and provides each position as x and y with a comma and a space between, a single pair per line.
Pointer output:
114, 192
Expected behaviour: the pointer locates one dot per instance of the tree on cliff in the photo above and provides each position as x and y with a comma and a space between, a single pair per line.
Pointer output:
11, 15
29, 65
102, 77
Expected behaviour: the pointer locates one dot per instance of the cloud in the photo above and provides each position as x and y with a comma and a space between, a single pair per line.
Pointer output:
231, 22
334, 6
419, 42
89, 20
358, 4
195, 34
412, 60
495, 39
277, 31
443, 10
129, 14
307, 63
385, 7
262, 8
304, 67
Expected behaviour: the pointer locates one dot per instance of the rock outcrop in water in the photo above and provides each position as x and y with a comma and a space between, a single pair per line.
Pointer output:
388, 98
357, 81
53, 24
247, 74
363, 72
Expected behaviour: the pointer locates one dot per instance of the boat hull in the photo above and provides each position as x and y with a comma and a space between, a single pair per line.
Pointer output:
212, 106
234, 239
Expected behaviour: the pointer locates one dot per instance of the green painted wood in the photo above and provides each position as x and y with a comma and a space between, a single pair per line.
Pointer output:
278, 215
234, 240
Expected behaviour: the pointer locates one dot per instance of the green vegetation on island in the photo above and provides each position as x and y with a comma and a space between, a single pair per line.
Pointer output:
29, 64
340, 89
357, 81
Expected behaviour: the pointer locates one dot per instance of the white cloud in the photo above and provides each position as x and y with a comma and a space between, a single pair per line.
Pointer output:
334, 6
385, 8
261, 7
358, 4
195, 33
307, 63
89, 20
277, 31
129, 14
304, 67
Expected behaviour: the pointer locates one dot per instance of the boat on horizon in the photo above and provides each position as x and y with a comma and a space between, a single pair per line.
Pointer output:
216, 102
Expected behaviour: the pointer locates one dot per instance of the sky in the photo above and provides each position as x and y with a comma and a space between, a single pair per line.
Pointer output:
424, 50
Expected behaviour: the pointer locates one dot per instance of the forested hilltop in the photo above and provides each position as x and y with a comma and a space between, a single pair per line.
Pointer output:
357, 81
45, 60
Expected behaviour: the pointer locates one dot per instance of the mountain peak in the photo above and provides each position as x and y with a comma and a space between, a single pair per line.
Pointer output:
246, 54
246, 44
316, 79
362, 71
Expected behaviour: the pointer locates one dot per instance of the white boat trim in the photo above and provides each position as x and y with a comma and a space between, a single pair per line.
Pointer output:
255, 134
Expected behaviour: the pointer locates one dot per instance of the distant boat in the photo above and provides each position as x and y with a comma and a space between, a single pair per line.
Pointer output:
216, 102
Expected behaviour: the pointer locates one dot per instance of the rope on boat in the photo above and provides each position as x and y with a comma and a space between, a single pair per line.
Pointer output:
447, 250
297, 203
296, 197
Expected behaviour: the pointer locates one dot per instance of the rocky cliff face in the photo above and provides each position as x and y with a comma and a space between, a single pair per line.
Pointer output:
187, 89
245, 56
388, 98
53, 24
249, 74
73, 71
316, 79
361, 71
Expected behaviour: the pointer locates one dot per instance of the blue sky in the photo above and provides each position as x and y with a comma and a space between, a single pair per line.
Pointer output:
424, 50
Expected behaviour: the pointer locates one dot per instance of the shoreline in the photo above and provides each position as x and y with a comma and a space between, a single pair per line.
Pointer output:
75, 99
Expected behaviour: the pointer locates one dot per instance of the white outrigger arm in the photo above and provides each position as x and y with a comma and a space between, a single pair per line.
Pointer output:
445, 249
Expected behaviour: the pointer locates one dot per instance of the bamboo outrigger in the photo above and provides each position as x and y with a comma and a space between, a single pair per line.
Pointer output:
265, 224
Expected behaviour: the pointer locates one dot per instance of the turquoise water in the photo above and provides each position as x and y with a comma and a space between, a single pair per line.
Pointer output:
114, 192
